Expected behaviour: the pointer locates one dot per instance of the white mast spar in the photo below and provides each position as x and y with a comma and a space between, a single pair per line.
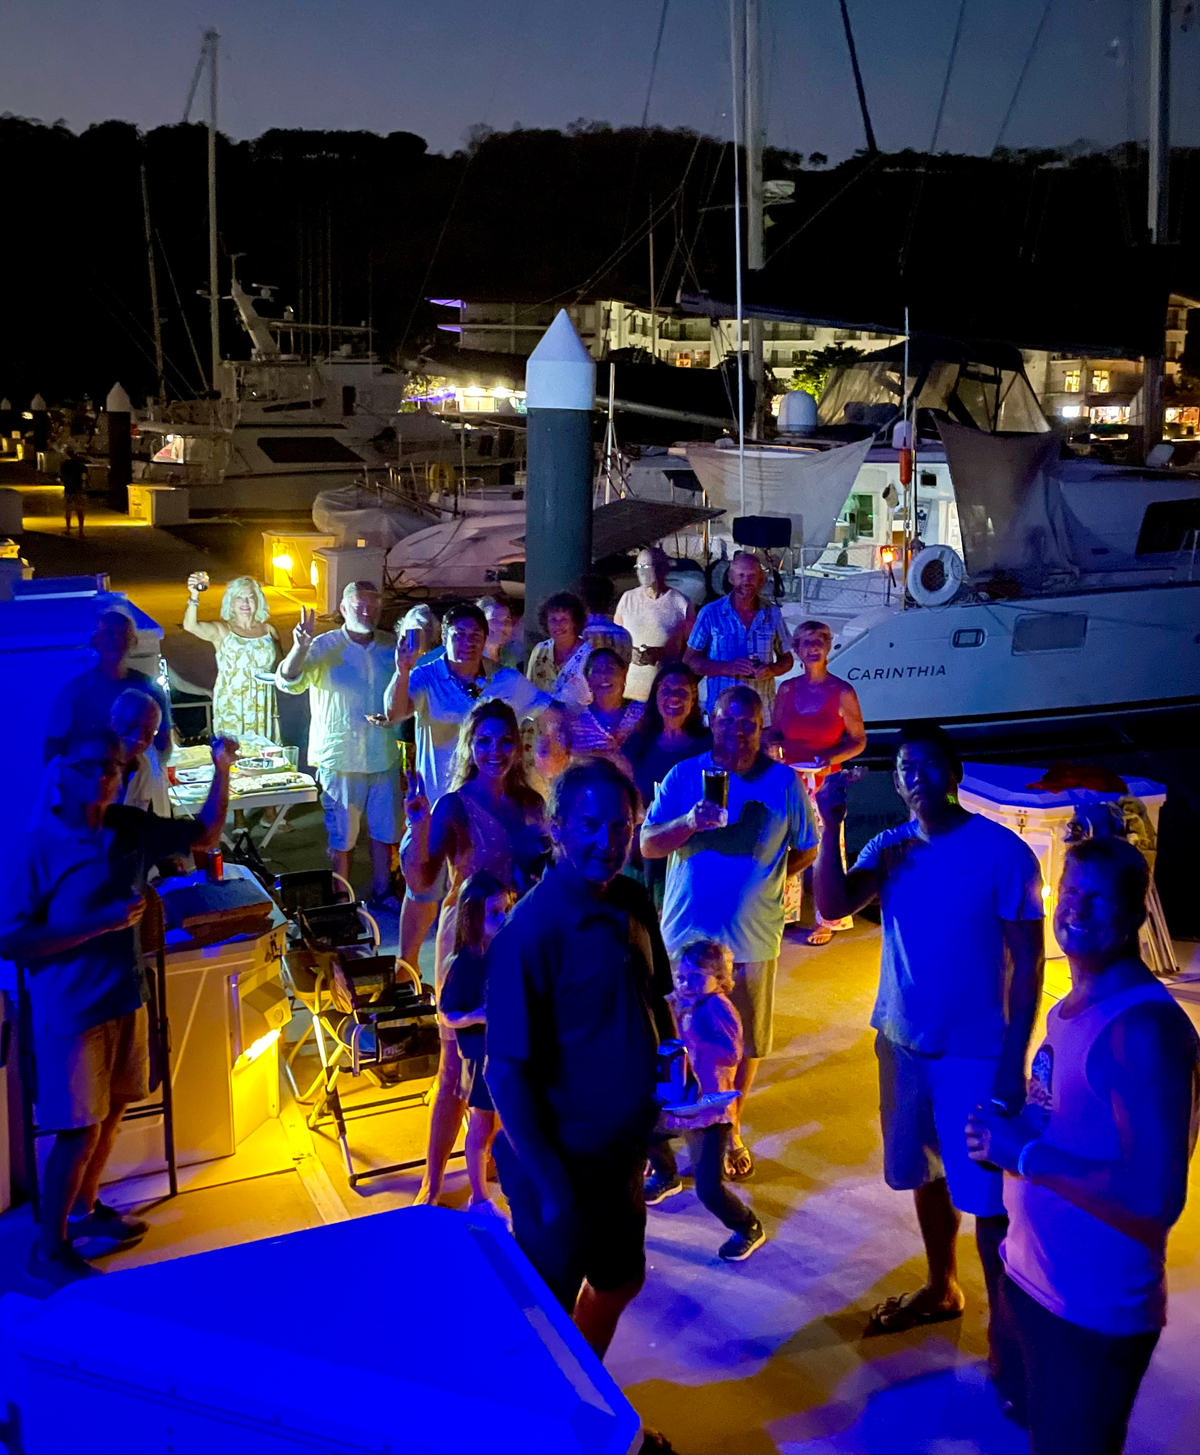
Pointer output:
755, 253
208, 56
737, 250
1157, 198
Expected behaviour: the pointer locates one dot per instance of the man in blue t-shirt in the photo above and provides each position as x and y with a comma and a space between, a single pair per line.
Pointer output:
959, 985
69, 914
576, 1005
727, 869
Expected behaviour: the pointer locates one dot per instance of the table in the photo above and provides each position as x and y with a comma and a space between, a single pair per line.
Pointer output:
281, 787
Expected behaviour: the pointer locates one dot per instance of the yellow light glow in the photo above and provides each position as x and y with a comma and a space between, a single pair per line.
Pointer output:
313, 573
282, 563
256, 1048
1046, 891
473, 391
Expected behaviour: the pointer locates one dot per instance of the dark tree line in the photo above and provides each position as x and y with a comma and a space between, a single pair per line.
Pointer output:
351, 226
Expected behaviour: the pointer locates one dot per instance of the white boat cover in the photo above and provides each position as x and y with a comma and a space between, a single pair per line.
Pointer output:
460, 554
809, 486
1012, 509
351, 514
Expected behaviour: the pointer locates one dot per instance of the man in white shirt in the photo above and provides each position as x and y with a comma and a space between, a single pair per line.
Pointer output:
959, 984
657, 617
439, 694
346, 673
135, 719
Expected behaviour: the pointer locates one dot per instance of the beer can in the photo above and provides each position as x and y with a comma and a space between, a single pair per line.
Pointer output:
215, 868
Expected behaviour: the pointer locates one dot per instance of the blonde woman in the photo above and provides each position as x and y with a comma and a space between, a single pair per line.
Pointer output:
246, 642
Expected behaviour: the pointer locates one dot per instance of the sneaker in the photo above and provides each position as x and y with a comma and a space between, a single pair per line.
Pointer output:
61, 1269
106, 1222
659, 1188
741, 1245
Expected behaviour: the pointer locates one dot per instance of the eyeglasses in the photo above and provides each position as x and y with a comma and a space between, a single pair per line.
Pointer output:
95, 767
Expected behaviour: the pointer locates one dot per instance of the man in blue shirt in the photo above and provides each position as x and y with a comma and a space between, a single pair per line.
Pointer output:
576, 1005
70, 914
86, 702
728, 868
959, 984
739, 638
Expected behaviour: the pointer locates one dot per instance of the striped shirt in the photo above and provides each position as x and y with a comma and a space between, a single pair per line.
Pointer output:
721, 636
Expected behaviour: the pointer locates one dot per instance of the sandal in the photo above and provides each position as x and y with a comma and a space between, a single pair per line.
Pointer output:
896, 1316
739, 1164
819, 935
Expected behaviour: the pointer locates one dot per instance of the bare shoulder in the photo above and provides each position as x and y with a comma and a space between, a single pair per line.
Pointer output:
1151, 1034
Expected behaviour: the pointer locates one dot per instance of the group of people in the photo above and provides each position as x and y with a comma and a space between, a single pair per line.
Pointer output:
603, 845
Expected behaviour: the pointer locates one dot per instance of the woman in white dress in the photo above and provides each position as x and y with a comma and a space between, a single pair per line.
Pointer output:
246, 643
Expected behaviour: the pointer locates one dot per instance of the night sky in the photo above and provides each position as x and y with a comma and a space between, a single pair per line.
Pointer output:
438, 68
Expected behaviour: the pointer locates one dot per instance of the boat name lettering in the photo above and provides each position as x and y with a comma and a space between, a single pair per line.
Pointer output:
882, 674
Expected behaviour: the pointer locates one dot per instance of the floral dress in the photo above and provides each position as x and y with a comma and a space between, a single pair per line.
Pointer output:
243, 707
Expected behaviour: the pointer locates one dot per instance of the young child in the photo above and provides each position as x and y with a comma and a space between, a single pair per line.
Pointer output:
711, 1029
483, 907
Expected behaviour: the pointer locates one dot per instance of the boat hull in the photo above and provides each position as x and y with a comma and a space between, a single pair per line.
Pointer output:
1090, 670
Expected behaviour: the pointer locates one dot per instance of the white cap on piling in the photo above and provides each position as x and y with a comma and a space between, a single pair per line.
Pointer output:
560, 373
5, 404
117, 401
37, 405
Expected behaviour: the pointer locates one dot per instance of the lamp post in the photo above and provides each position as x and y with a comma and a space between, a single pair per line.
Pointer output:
560, 383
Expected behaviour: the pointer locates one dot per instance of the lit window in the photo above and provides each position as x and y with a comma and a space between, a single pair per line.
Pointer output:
1071, 411
1071, 381
683, 361
1100, 381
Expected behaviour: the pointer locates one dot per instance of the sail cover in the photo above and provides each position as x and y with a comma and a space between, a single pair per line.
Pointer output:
1010, 502
809, 486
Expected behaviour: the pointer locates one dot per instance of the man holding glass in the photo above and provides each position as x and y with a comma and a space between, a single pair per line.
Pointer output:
734, 824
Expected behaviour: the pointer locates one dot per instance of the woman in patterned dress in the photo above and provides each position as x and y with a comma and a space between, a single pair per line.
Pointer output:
246, 643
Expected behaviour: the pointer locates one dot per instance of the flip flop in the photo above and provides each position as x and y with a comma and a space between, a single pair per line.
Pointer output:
739, 1164
819, 935
894, 1316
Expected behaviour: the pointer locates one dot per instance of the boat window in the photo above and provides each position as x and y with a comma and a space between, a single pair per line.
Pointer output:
1049, 632
315, 449
969, 636
1168, 525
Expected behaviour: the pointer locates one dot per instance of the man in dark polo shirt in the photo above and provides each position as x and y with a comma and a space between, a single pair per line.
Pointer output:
69, 914
577, 981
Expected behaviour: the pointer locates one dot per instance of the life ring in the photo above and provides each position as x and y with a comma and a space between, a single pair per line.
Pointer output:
935, 575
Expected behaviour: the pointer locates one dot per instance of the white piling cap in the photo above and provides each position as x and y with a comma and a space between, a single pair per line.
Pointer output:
37, 405
560, 374
5, 404
117, 401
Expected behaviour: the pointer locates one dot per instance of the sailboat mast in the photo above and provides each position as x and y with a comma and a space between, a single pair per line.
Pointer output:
1156, 199
755, 256
158, 348
737, 250
211, 38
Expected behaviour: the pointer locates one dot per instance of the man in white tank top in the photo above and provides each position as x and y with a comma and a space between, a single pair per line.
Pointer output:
1095, 1166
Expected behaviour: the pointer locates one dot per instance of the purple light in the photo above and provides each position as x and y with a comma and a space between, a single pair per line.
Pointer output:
450, 327
447, 302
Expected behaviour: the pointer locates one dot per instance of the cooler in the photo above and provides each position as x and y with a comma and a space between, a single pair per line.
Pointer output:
1002, 793
226, 1007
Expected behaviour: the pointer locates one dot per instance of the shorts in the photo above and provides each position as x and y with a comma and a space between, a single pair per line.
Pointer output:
924, 1102
754, 996
81, 1078
347, 797
436, 892
472, 1088
602, 1240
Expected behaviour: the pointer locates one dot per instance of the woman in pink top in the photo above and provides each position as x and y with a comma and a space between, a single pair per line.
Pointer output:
816, 725
1096, 1167
602, 727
